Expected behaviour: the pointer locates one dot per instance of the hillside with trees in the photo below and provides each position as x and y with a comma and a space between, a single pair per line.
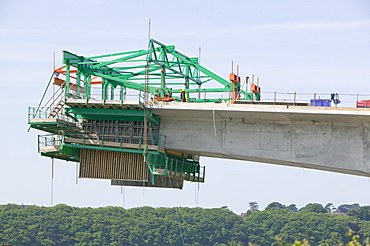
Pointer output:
277, 223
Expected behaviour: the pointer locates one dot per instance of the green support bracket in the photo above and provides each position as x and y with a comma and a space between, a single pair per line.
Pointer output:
113, 114
174, 166
67, 150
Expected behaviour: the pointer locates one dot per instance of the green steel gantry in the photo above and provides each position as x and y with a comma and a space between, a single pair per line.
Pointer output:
160, 70
89, 116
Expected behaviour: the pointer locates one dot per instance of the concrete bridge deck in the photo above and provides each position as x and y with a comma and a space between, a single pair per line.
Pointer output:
323, 138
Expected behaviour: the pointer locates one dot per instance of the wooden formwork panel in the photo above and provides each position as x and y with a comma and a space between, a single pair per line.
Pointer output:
102, 164
160, 182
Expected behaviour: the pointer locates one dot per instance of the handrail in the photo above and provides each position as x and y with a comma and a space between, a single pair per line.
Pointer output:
347, 99
49, 140
119, 140
55, 98
43, 95
42, 113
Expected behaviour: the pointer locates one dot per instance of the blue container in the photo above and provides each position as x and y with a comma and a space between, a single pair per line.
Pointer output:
320, 102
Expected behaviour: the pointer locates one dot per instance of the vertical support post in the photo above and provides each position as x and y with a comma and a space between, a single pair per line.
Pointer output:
66, 92
187, 84
163, 82
188, 172
84, 136
121, 139
102, 139
175, 169
102, 90
204, 172
171, 168
181, 170
105, 91
111, 93
78, 83
84, 77
88, 88
38, 144
141, 137
121, 94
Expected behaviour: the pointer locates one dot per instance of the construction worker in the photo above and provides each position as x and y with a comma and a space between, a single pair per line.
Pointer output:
183, 95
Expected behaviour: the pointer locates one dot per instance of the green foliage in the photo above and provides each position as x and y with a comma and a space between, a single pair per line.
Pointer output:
291, 207
275, 205
363, 213
314, 207
329, 207
311, 224
347, 207
276, 225
65, 225
253, 206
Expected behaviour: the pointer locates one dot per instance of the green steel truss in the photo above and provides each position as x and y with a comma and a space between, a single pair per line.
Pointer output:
160, 71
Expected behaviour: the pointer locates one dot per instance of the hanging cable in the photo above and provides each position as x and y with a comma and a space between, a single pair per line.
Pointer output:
145, 133
76, 173
53, 85
199, 85
146, 89
123, 193
52, 182
196, 193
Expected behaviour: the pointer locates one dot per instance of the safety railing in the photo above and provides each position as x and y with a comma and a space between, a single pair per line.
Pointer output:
49, 140
155, 141
315, 99
294, 98
111, 96
45, 113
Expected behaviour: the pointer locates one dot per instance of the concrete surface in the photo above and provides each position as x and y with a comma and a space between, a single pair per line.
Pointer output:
330, 139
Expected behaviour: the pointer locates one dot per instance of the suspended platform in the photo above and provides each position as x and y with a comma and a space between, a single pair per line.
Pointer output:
107, 140
41, 120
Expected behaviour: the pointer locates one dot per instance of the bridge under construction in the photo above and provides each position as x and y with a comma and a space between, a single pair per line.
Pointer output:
90, 119
182, 110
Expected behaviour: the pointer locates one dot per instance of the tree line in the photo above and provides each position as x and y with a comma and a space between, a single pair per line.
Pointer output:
277, 223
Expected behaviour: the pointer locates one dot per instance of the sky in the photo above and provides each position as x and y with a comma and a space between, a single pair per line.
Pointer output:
308, 46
